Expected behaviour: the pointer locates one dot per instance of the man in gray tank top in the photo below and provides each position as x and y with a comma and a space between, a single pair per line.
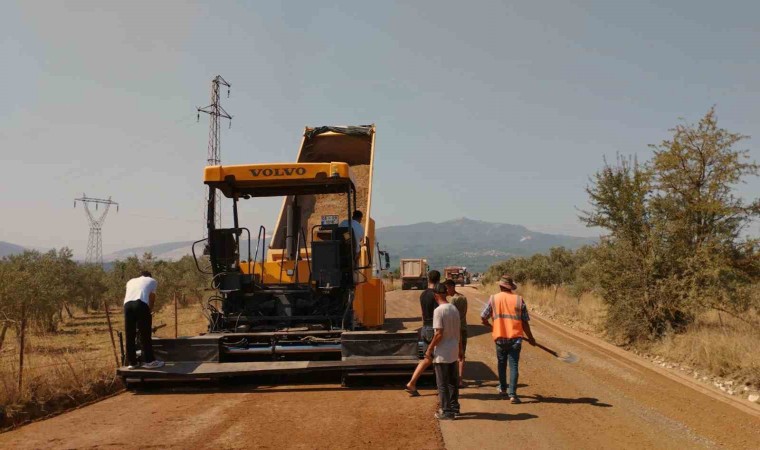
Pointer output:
445, 350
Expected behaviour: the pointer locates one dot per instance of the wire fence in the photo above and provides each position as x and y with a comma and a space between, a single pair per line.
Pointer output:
28, 366
85, 354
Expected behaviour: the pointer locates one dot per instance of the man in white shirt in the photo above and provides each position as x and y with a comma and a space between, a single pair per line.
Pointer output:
138, 303
356, 225
446, 350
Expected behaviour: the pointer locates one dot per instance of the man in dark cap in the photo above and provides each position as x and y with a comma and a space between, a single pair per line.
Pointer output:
445, 350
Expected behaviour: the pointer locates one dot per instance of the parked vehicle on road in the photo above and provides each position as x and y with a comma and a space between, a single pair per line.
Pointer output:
414, 273
458, 274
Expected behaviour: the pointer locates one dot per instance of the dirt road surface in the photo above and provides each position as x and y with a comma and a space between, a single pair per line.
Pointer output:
607, 400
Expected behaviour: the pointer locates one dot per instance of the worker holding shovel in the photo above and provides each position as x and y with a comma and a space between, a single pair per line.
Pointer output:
510, 325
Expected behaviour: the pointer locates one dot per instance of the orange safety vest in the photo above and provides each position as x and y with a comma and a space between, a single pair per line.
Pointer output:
507, 315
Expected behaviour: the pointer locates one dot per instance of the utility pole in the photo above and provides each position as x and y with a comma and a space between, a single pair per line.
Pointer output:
95, 242
215, 112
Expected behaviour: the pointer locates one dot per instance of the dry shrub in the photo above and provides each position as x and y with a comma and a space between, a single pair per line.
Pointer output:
723, 345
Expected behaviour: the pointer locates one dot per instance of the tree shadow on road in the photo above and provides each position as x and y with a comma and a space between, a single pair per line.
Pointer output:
496, 416
565, 401
479, 372
528, 399
477, 330
485, 395
400, 323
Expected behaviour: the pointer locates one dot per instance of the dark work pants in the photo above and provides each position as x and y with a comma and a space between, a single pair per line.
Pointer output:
447, 379
137, 317
508, 352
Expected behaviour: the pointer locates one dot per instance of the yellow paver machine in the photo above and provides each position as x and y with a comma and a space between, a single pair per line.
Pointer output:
311, 297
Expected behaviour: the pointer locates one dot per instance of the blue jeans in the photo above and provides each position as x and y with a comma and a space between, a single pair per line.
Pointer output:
508, 352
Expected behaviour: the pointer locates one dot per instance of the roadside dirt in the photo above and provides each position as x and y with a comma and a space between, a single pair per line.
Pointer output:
606, 400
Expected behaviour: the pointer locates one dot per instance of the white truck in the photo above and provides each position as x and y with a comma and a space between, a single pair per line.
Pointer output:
414, 273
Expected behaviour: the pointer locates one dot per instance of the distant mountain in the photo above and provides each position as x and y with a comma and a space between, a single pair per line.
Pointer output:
7, 249
466, 242
171, 251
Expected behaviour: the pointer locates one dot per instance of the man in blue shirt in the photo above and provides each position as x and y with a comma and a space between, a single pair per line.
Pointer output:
510, 324
355, 224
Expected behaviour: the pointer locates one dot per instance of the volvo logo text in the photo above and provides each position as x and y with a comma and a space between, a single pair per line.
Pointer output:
287, 171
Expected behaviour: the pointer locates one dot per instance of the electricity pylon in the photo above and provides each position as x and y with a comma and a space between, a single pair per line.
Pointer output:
215, 112
95, 240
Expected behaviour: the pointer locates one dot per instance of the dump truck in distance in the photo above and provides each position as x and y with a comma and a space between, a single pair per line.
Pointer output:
458, 274
414, 273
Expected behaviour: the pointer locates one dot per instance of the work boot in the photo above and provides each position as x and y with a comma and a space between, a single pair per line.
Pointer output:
155, 364
444, 416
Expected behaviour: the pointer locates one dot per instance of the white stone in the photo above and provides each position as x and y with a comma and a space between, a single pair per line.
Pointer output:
754, 398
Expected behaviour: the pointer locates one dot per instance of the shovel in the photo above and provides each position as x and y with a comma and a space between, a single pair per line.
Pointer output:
566, 357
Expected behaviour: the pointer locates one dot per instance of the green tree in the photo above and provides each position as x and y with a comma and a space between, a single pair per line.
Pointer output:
562, 268
674, 245
585, 274
696, 174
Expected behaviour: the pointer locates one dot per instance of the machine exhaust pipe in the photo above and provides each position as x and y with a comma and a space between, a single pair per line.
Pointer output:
283, 349
322, 348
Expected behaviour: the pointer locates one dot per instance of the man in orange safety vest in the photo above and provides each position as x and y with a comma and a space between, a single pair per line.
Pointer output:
510, 325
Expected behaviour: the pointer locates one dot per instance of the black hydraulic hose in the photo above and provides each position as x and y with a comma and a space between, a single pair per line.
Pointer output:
195, 258
349, 309
306, 248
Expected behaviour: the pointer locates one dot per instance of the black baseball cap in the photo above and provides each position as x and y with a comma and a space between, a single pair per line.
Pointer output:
440, 288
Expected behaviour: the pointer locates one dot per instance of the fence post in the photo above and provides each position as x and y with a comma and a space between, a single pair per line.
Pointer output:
110, 332
175, 316
21, 349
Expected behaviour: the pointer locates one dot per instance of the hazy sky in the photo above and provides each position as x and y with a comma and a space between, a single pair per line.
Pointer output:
494, 112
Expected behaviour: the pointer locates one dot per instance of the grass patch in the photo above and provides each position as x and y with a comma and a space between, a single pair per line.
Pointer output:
75, 365
586, 313
392, 286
